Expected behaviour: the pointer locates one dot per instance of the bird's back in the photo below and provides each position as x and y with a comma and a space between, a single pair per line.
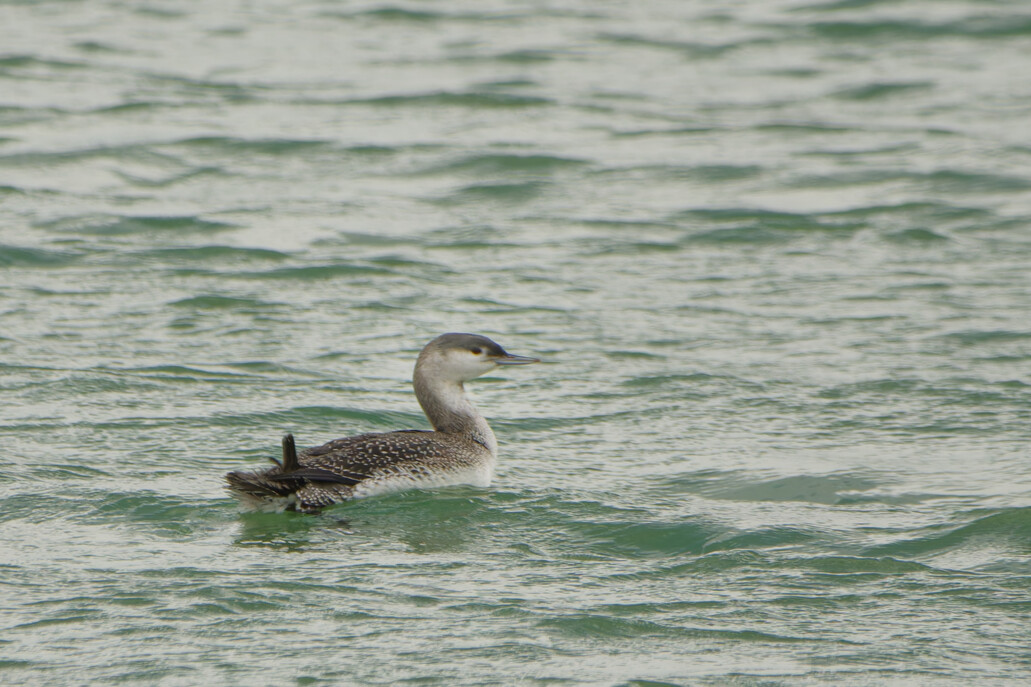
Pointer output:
364, 465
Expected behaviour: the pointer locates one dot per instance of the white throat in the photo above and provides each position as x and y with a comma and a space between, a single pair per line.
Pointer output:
450, 411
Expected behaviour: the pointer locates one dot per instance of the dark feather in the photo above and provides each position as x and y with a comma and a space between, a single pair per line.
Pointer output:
320, 475
290, 463
256, 485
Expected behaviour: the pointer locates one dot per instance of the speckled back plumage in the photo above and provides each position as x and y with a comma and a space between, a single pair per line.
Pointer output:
362, 465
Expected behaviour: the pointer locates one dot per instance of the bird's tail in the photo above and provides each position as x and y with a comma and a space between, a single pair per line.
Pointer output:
254, 488
259, 488
292, 486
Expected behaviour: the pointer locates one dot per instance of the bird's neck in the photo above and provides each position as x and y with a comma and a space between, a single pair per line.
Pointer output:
450, 411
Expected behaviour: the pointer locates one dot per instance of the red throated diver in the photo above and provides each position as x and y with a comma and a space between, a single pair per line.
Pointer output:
461, 449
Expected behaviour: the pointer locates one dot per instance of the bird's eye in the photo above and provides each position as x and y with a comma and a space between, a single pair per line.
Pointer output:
476, 350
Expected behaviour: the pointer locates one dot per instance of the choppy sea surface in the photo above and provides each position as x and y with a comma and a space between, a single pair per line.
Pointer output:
776, 254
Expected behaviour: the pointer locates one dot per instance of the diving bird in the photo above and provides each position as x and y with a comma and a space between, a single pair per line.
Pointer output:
461, 449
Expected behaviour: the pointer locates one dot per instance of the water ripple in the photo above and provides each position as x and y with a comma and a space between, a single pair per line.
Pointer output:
776, 258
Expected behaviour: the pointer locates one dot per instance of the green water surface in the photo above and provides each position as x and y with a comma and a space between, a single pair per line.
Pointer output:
774, 253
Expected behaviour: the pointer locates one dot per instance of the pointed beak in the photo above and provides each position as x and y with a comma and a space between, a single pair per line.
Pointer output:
509, 359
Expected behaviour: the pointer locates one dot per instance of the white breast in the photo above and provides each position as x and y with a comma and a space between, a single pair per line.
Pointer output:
400, 478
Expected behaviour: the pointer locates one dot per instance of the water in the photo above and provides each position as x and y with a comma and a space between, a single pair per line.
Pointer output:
775, 254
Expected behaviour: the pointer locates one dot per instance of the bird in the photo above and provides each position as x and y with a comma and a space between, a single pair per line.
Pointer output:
461, 448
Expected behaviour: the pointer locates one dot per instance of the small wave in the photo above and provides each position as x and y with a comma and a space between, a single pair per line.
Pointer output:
212, 253
853, 565
15, 256
649, 539
910, 212
960, 181
110, 225
759, 226
178, 372
982, 26
917, 235
826, 489
81, 616
63, 471
739, 235
663, 131
1008, 528
153, 513
318, 272
707, 174
498, 192
712, 173
93, 46
402, 14
836, 5
582, 530
408, 15
883, 90
130, 106
806, 128
528, 56
172, 179
120, 152
271, 146
691, 49
11, 63
504, 164
714, 562
313, 416
220, 302
25, 503
597, 625
760, 538
79, 383
145, 506
474, 99
977, 337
